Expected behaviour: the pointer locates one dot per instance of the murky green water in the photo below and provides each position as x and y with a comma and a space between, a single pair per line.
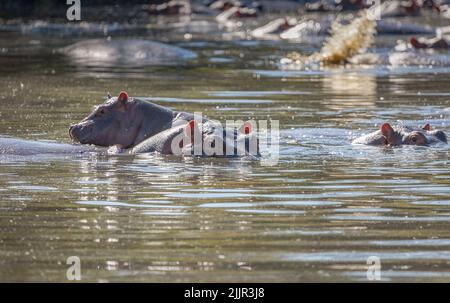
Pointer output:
315, 216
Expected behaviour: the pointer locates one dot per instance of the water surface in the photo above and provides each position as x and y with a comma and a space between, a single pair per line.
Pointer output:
315, 216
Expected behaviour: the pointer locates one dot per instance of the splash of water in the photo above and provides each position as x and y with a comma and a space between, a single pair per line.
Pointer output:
345, 42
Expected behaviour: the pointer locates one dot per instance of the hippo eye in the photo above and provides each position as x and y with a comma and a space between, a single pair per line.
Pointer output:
413, 139
100, 113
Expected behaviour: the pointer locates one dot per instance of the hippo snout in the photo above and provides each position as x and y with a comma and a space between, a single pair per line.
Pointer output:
80, 132
75, 132
71, 128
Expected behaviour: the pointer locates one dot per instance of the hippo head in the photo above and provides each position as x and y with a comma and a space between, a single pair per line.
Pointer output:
109, 124
407, 136
435, 43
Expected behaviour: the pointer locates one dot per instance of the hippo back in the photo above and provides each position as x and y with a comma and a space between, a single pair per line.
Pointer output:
21, 147
126, 51
160, 142
233, 143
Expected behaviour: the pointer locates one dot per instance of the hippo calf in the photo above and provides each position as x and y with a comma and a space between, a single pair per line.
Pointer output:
202, 139
137, 126
403, 135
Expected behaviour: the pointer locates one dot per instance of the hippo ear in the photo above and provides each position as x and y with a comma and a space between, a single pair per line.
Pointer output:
426, 127
247, 128
388, 132
415, 43
191, 130
108, 95
123, 97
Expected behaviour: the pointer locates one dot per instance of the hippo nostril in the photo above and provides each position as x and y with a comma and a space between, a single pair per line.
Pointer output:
87, 129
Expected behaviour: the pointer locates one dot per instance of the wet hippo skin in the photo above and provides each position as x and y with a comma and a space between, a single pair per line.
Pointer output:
138, 126
403, 135
122, 121
22, 147
112, 52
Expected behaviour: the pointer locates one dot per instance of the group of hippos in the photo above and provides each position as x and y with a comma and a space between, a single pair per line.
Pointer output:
349, 40
132, 126
139, 126
425, 45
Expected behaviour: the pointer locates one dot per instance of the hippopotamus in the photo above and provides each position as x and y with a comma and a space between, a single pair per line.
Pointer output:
305, 28
396, 8
407, 8
173, 7
403, 135
292, 29
274, 27
224, 5
349, 43
22, 147
236, 12
136, 126
213, 141
433, 43
335, 6
126, 51
401, 59
400, 8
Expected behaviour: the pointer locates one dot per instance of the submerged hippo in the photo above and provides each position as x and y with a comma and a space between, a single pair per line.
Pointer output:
126, 51
401, 59
22, 147
433, 43
335, 6
396, 8
440, 43
137, 126
403, 135
292, 29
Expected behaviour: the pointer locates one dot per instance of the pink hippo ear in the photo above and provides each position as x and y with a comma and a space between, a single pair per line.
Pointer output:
123, 97
247, 128
191, 130
426, 127
417, 44
388, 132
122, 100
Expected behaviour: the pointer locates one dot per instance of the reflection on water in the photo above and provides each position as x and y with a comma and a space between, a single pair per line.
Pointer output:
350, 90
351, 84
316, 216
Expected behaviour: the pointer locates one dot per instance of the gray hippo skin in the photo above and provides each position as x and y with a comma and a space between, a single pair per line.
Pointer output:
137, 126
293, 29
126, 51
403, 135
123, 122
401, 59
433, 43
21, 147
204, 139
